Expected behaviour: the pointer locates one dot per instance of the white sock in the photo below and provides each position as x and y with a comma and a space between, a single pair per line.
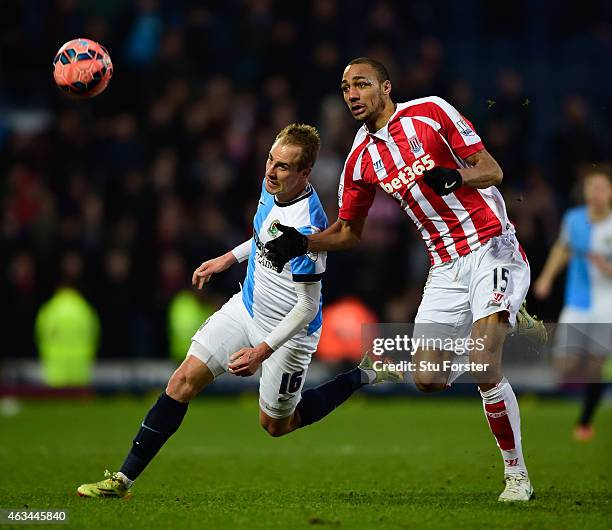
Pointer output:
128, 483
502, 412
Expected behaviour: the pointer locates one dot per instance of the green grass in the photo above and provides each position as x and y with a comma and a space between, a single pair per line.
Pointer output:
375, 463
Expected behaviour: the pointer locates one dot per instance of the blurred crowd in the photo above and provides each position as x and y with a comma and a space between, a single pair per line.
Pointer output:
124, 195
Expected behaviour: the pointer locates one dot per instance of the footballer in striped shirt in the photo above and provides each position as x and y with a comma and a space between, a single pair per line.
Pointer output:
429, 158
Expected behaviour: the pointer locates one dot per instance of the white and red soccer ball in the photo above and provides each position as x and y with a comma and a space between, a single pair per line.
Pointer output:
82, 68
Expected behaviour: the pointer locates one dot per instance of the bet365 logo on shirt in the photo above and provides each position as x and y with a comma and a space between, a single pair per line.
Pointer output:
407, 175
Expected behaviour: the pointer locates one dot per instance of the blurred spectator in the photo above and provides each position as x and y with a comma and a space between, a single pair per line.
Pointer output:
510, 133
574, 143
67, 330
461, 94
143, 40
534, 213
19, 304
116, 305
341, 338
186, 313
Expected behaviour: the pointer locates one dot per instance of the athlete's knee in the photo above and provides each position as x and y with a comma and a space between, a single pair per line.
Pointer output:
429, 381
429, 388
189, 379
182, 386
275, 428
179, 387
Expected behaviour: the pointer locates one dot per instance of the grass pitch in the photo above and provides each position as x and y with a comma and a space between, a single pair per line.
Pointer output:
374, 463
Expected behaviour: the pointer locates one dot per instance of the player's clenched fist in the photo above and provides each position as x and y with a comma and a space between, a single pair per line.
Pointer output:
288, 245
443, 181
246, 362
204, 272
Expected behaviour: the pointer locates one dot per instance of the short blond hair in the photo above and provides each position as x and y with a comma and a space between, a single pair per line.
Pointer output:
599, 169
304, 136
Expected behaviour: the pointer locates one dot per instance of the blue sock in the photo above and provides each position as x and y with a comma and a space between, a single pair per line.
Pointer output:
318, 402
161, 422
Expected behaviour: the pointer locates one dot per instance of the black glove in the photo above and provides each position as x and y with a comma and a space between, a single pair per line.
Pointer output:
289, 245
443, 181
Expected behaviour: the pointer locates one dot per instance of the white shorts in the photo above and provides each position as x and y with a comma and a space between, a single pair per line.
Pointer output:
282, 374
582, 332
494, 277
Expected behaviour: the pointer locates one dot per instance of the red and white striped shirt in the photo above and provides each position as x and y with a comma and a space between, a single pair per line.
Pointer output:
421, 134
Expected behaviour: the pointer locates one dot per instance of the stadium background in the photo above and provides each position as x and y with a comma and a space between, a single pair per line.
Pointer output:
124, 195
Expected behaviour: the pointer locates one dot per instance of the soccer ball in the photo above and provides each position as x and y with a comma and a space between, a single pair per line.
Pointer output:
82, 68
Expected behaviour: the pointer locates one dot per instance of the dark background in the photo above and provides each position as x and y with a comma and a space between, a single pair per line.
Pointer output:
124, 195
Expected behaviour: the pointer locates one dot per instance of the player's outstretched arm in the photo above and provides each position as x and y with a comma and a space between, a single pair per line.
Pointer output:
485, 171
341, 235
205, 271
555, 263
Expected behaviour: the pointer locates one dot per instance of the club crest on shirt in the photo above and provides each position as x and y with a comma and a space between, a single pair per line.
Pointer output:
415, 144
464, 128
273, 229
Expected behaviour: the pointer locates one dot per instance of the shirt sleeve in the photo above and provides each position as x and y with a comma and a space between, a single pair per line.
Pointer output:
456, 129
304, 311
564, 237
355, 193
242, 251
355, 198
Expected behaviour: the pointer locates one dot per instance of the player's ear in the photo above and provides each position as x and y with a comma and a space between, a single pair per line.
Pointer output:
386, 87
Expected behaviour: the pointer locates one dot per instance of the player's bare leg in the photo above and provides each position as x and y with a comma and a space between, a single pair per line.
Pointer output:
499, 401
429, 375
188, 380
500, 404
161, 422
